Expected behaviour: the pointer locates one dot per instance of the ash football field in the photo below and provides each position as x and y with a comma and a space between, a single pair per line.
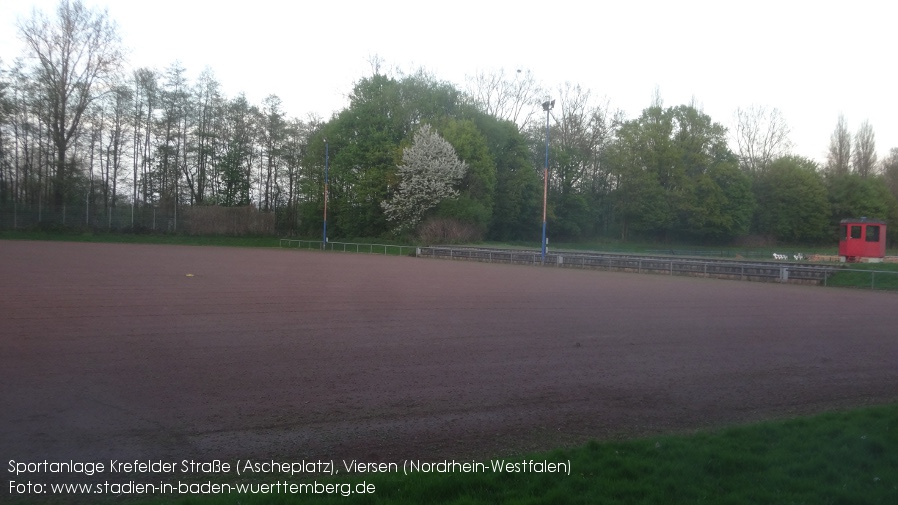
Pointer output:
114, 351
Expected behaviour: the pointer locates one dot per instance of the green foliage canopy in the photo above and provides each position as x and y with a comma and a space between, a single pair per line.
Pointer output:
675, 177
792, 201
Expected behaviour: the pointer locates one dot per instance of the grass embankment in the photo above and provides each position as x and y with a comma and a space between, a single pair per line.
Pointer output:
867, 275
845, 458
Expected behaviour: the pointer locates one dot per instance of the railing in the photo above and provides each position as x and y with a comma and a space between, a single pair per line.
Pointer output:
856, 277
386, 249
727, 269
709, 253
769, 271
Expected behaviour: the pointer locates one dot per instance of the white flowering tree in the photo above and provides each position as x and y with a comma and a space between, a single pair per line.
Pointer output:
429, 174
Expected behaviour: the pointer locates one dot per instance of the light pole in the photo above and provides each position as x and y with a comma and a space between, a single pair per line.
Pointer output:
326, 167
547, 106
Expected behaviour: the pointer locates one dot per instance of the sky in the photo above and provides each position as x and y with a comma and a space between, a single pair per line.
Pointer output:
811, 60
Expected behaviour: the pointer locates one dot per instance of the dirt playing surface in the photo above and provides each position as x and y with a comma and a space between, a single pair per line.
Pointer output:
113, 351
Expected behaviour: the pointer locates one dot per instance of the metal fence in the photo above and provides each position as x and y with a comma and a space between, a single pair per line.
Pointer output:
878, 279
25, 217
185, 219
724, 269
769, 271
386, 249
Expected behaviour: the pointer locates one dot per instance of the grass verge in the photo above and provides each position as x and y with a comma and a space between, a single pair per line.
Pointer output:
867, 275
835, 458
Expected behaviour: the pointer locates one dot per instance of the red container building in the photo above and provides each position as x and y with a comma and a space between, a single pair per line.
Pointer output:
862, 240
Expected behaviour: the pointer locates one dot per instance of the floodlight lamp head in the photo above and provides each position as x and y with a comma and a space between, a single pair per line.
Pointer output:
548, 105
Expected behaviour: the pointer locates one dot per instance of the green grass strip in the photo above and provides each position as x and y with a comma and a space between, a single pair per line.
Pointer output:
867, 275
836, 458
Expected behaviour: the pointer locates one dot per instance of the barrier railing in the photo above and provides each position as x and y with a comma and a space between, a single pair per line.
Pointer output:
778, 272
386, 249
721, 269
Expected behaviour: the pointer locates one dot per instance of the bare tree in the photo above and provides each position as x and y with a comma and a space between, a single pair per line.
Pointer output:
582, 131
376, 61
145, 103
272, 131
119, 103
890, 171
208, 103
761, 136
865, 150
514, 98
838, 160
75, 53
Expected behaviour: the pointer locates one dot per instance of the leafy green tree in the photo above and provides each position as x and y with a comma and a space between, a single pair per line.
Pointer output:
676, 177
721, 204
366, 142
852, 196
717, 202
474, 204
838, 158
577, 175
865, 150
517, 197
430, 173
792, 201
366, 146
363, 145
638, 200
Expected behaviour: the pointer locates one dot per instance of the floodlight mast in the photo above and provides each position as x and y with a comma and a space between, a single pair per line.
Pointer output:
326, 167
547, 106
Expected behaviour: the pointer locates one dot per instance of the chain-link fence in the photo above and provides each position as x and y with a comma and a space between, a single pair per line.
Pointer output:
189, 220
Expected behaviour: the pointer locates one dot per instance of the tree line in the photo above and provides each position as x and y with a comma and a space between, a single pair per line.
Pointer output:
79, 129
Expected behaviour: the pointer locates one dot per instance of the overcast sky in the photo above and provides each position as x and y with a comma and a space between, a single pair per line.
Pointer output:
811, 60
